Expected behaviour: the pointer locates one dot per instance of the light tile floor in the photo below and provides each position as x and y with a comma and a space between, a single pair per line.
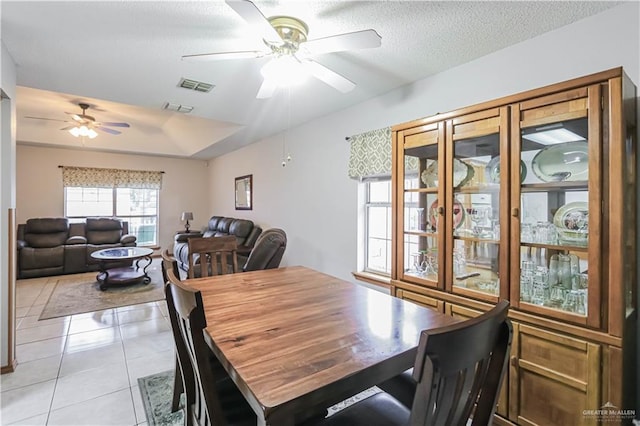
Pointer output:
82, 369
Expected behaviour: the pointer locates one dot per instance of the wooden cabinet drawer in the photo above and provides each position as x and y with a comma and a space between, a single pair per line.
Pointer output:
461, 312
420, 299
554, 378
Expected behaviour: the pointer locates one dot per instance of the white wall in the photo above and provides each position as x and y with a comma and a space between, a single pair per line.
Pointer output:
313, 200
7, 200
40, 194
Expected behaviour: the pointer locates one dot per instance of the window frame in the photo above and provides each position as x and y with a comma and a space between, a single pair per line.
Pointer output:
367, 205
114, 209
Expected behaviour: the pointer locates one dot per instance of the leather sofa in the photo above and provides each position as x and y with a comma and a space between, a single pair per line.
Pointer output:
245, 231
53, 246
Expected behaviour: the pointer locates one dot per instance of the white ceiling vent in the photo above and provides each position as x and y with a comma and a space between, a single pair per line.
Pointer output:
198, 86
185, 109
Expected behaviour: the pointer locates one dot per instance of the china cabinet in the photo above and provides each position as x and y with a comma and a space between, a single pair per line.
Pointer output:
531, 198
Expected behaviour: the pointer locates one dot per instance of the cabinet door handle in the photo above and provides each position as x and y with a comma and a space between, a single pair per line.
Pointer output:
515, 212
514, 361
441, 211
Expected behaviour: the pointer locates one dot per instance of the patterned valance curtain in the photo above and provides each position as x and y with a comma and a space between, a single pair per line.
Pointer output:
110, 178
370, 156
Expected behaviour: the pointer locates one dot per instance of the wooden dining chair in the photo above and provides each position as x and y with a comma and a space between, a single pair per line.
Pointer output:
457, 368
212, 398
169, 265
212, 256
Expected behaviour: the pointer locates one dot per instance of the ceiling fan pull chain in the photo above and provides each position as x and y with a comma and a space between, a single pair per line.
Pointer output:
286, 131
289, 122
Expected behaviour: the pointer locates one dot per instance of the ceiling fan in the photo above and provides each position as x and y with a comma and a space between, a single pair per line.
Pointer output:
85, 125
286, 40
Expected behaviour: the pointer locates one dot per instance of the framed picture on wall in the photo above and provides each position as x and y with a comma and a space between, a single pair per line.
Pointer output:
244, 194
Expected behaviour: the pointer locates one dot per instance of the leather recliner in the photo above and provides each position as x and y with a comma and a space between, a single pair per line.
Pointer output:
268, 251
41, 247
245, 231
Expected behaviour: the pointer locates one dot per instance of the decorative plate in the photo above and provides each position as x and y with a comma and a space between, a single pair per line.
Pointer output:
462, 173
567, 161
458, 214
572, 222
492, 170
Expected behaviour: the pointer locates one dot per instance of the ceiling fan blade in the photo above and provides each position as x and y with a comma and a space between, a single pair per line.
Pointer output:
106, 123
68, 127
327, 76
348, 41
48, 119
267, 89
108, 130
250, 13
75, 116
223, 55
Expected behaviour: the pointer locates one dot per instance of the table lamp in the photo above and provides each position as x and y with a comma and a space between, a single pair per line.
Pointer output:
187, 216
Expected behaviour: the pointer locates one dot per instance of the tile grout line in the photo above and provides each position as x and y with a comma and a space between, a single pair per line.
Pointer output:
55, 385
126, 366
67, 333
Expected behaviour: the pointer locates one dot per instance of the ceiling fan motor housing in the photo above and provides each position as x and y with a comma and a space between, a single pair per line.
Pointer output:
293, 31
84, 115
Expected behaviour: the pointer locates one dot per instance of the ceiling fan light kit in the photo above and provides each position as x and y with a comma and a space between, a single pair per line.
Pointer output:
284, 70
83, 131
84, 125
285, 37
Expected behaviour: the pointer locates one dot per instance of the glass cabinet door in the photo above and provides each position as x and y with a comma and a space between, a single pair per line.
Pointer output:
476, 200
556, 207
419, 188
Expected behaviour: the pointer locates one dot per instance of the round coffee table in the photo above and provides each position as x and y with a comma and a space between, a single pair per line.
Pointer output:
122, 275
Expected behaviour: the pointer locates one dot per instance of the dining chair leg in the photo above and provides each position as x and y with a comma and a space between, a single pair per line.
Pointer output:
178, 388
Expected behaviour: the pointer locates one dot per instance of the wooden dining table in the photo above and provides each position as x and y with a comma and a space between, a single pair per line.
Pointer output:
295, 340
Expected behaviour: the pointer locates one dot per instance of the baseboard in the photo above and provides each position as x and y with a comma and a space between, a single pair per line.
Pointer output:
9, 368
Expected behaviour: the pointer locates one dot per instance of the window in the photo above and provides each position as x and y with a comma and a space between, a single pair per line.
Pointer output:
137, 206
378, 227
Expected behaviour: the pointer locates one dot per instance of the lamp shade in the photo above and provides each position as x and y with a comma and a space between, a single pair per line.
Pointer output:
187, 216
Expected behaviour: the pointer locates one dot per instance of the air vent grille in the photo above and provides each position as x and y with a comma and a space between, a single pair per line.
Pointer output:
198, 86
185, 109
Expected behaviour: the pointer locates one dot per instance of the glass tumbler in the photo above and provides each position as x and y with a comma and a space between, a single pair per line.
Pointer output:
576, 301
420, 219
553, 270
557, 296
564, 271
540, 232
526, 288
540, 291
526, 233
526, 280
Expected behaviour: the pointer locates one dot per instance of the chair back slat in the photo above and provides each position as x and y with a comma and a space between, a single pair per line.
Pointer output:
170, 272
191, 322
460, 367
214, 254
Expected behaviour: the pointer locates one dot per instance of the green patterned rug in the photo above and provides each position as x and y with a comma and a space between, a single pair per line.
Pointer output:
157, 391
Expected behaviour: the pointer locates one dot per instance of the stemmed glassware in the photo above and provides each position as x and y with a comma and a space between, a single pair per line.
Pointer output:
481, 218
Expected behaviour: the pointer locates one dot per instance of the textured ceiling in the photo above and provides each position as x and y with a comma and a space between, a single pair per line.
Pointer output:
124, 58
